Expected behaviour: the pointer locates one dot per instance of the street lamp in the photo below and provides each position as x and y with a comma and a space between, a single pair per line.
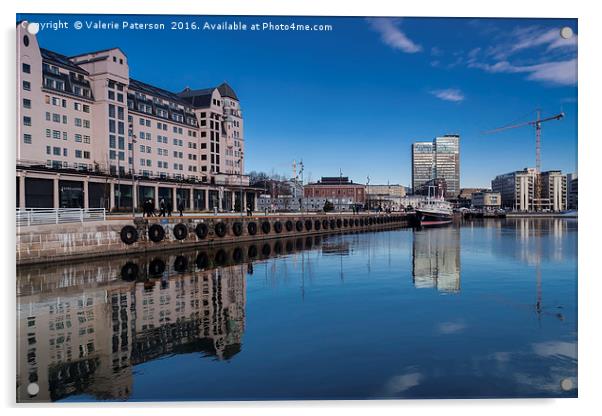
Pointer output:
240, 183
133, 167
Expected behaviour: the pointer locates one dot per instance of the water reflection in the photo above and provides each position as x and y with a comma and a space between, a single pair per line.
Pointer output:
436, 259
90, 329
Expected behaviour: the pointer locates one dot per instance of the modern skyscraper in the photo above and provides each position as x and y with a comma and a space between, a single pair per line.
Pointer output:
422, 163
439, 159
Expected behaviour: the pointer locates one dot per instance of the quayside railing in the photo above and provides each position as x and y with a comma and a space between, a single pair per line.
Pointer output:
39, 216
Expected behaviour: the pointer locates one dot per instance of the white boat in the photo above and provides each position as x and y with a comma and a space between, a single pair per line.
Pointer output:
434, 210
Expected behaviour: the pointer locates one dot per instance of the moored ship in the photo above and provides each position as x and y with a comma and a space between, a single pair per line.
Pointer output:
434, 211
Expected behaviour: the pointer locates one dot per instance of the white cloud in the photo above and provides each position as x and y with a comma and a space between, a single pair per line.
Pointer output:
450, 94
556, 72
403, 382
524, 38
392, 35
451, 327
556, 348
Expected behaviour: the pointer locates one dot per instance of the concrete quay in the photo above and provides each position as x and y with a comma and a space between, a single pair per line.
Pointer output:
119, 236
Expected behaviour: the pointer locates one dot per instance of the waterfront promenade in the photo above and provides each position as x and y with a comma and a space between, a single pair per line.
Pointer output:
123, 234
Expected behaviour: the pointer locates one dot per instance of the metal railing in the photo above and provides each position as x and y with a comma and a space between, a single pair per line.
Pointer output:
39, 216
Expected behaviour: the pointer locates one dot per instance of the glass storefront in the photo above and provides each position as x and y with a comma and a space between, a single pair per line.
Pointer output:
71, 194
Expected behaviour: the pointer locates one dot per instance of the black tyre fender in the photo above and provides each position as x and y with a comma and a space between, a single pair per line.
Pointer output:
252, 228
278, 227
317, 225
129, 271
299, 225
129, 234
308, 225
266, 250
202, 260
333, 224
180, 264
289, 226
156, 267
156, 233
220, 229
266, 227
345, 223
221, 257
201, 230
180, 231
237, 228
325, 224
339, 223
356, 222
237, 254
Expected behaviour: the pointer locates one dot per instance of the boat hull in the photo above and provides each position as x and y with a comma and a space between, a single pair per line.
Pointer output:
432, 218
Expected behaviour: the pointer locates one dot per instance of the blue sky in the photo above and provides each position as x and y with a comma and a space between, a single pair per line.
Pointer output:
356, 97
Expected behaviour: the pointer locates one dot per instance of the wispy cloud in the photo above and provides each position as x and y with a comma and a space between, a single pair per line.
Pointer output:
449, 94
451, 327
403, 382
555, 72
536, 51
524, 38
392, 35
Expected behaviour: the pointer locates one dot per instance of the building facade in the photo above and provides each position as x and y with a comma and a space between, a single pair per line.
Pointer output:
340, 191
553, 190
486, 200
439, 159
84, 122
572, 186
517, 190
385, 196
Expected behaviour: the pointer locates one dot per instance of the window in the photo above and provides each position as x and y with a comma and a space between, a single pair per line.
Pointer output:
56, 151
78, 138
86, 154
27, 68
78, 154
26, 103
27, 138
27, 85
27, 120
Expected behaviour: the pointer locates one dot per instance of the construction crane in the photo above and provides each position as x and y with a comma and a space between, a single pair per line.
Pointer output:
537, 123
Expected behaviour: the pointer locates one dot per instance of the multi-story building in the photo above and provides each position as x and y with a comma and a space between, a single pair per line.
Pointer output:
486, 199
517, 189
385, 196
572, 185
423, 168
89, 135
553, 190
439, 159
340, 191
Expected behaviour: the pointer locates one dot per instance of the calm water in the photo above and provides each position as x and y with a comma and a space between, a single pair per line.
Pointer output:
482, 309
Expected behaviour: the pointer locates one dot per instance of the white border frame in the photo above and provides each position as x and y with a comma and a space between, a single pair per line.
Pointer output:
589, 144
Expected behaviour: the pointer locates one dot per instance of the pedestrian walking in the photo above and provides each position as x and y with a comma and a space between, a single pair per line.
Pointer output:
162, 207
169, 208
181, 207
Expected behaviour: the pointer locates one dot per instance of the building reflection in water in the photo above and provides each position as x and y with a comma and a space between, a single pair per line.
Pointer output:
83, 327
436, 259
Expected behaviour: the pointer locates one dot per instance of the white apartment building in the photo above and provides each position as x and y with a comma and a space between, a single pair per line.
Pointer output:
517, 190
90, 135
